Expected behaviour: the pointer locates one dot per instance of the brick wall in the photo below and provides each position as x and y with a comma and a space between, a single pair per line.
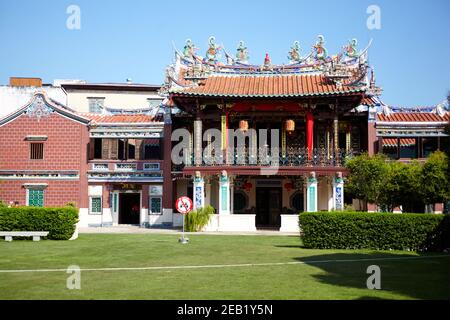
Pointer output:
64, 149
57, 193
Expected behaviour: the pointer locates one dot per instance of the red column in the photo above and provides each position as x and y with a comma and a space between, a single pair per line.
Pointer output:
309, 132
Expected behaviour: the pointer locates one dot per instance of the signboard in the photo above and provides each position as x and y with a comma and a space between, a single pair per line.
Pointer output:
312, 199
184, 205
339, 200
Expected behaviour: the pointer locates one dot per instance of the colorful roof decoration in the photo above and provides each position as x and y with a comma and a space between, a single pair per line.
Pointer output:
314, 74
41, 106
267, 86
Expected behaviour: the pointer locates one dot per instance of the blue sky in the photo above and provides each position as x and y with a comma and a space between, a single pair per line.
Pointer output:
133, 39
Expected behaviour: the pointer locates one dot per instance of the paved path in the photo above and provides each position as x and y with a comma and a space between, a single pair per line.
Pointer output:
138, 230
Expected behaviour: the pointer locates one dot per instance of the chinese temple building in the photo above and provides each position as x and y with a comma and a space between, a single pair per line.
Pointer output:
317, 111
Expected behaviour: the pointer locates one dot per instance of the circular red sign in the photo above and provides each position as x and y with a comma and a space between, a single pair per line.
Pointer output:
184, 205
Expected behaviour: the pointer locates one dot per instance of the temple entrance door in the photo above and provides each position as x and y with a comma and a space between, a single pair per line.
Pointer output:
268, 208
129, 208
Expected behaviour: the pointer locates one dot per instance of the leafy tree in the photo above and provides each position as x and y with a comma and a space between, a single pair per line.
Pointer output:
391, 193
435, 185
367, 177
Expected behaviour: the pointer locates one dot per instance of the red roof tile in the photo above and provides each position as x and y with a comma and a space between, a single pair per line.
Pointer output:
266, 86
368, 101
413, 117
404, 142
119, 118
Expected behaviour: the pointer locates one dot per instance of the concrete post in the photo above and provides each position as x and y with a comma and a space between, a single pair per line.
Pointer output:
338, 192
224, 194
311, 193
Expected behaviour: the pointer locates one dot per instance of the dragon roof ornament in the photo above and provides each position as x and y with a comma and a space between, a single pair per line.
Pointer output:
349, 66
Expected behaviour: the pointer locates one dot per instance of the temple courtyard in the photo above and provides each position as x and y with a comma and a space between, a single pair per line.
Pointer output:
212, 266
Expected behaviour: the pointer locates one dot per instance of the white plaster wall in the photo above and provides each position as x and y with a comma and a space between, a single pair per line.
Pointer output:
289, 223
177, 219
158, 219
213, 224
78, 100
322, 195
87, 219
237, 222
14, 98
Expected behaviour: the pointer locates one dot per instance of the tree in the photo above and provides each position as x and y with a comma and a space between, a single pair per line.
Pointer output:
391, 193
367, 177
435, 184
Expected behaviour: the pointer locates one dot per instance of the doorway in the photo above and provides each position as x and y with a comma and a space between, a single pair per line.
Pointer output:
268, 208
129, 208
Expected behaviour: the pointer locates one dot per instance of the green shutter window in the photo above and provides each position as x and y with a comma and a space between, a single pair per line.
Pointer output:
96, 205
35, 198
155, 205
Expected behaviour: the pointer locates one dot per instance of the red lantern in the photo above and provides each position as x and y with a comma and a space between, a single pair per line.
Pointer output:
247, 186
289, 186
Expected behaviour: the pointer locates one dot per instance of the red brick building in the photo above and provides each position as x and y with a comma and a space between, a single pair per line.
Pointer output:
43, 155
109, 165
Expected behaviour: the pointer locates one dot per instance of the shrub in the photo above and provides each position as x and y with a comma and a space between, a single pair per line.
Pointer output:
60, 222
197, 219
379, 231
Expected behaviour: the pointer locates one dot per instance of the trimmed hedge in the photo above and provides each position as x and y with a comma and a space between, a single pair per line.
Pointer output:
379, 231
60, 222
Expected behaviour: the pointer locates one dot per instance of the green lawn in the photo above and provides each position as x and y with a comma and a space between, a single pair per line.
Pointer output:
425, 278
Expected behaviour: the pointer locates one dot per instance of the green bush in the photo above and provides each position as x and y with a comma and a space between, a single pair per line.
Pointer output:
197, 219
379, 231
59, 222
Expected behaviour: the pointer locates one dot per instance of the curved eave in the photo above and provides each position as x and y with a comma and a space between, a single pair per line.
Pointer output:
295, 95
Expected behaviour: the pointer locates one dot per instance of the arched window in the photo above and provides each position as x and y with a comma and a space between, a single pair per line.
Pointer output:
240, 201
297, 201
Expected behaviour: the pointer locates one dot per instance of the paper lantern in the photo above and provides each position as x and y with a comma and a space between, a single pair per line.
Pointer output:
289, 125
243, 125
247, 186
289, 186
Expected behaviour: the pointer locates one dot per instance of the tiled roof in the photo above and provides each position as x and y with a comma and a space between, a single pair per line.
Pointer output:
404, 142
266, 86
120, 118
413, 117
368, 101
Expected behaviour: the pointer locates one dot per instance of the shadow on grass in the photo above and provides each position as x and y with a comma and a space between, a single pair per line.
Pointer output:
423, 276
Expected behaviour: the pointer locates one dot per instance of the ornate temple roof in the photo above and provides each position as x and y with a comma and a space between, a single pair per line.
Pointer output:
315, 74
291, 85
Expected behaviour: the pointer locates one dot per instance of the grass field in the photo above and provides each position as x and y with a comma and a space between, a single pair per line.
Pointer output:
318, 276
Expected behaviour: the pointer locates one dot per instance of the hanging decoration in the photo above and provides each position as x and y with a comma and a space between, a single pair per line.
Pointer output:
243, 125
289, 186
289, 125
247, 187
